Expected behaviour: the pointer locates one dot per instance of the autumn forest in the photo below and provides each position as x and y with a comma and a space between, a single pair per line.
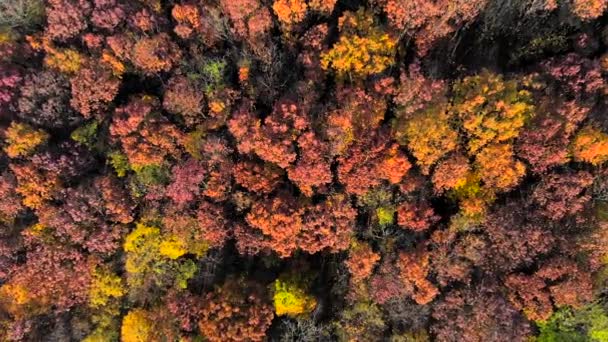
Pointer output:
304, 170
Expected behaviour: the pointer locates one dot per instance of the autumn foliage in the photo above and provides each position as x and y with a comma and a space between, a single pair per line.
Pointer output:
235, 310
303, 170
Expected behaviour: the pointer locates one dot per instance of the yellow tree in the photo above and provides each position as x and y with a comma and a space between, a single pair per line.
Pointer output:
363, 48
22, 139
291, 297
429, 135
498, 168
136, 326
490, 109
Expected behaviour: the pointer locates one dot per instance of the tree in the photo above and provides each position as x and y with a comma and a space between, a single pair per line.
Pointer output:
117, 203
363, 48
11, 205
590, 145
325, 7
67, 18
146, 138
428, 134
544, 144
290, 12
250, 20
417, 217
136, 326
362, 321
417, 92
328, 225
188, 18
515, 238
57, 278
105, 287
560, 195
291, 298
569, 283
526, 294
428, 21
588, 9
553, 283
22, 139
361, 261
312, 169
498, 168
274, 140
92, 89
216, 152
287, 226
413, 271
45, 101
257, 177
155, 54
455, 256
182, 97
492, 110
451, 173
359, 114
369, 161
214, 227
187, 234
576, 76
394, 166
66, 61
108, 14
187, 178
22, 13
35, 185
586, 324
10, 79
90, 213
478, 314
236, 311
281, 220
184, 307
153, 260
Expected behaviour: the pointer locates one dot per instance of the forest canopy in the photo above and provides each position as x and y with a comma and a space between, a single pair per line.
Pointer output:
303, 170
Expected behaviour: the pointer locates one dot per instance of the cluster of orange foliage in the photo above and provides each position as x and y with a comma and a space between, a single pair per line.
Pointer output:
413, 271
188, 18
236, 310
155, 54
368, 162
361, 261
287, 226
589, 9
290, 12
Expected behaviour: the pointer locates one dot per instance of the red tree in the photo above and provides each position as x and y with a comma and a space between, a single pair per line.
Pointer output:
562, 194
417, 217
312, 169
478, 314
